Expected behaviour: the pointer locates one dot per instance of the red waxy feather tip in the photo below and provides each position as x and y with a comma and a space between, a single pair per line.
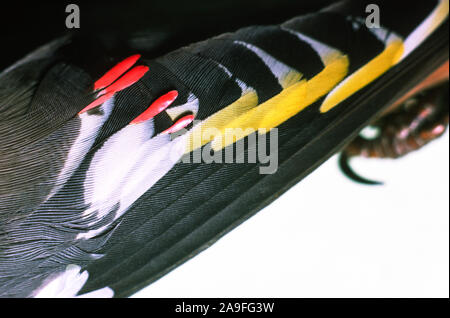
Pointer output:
96, 102
114, 73
179, 124
131, 77
156, 107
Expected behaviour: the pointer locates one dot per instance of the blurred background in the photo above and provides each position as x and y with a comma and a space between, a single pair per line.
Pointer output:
354, 241
174, 23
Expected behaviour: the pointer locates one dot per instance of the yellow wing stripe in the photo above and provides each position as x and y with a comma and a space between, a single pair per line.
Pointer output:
394, 52
366, 74
220, 120
288, 103
247, 116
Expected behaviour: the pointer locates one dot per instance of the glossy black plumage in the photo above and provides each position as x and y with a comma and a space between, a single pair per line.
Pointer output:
193, 204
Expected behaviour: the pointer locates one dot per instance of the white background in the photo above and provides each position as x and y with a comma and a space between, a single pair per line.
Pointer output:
330, 237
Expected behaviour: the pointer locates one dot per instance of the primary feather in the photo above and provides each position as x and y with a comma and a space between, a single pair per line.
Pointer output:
91, 184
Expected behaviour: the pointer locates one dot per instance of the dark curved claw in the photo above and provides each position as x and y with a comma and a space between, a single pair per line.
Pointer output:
348, 171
